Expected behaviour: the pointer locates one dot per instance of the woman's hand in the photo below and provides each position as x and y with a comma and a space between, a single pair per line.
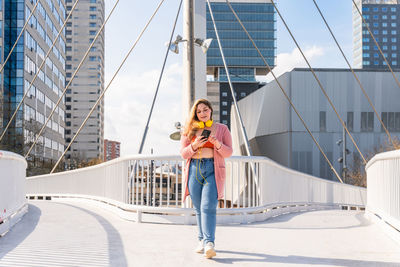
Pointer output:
198, 142
215, 142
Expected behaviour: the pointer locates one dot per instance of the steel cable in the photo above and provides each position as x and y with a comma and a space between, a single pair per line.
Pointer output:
112, 79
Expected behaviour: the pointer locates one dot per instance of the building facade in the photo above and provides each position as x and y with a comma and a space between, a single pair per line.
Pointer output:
243, 61
275, 131
88, 84
112, 150
20, 70
1, 60
383, 18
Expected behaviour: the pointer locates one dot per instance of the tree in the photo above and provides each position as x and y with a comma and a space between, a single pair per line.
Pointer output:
356, 174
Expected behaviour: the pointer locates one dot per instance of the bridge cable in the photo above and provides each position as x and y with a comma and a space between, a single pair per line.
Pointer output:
72, 78
112, 79
38, 71
284, 93
243, 130
376, 43
319, 83
159, 81
355, 76
19, 36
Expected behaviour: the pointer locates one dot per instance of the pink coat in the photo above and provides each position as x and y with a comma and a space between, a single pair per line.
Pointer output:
223, 135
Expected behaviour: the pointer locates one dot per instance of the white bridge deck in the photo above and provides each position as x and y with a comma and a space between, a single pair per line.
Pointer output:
55, 233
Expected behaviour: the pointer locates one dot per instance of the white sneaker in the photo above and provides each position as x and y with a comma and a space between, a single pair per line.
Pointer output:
209, 250
200, 247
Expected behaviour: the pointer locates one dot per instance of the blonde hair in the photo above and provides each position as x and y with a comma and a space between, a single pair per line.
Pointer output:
190, 126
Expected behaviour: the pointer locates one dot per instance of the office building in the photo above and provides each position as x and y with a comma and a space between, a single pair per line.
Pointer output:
112, 149
275, 131
242, 58
20, 70
88, 84
382, 17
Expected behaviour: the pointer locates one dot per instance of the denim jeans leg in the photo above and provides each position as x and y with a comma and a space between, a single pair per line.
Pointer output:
209, 202
195, 189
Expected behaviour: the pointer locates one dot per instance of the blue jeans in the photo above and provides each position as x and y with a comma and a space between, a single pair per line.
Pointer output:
204, 195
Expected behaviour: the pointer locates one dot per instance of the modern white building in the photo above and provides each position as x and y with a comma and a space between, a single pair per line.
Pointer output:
275, 131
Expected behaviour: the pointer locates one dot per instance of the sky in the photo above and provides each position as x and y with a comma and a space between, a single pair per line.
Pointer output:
129, 96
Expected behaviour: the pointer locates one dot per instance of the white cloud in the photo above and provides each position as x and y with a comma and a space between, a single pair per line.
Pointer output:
287, 61
127, 107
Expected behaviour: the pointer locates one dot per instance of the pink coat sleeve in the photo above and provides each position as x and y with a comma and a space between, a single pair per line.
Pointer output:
226, 148
186, 149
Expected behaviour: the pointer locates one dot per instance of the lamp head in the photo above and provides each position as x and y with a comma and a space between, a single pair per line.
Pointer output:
204, 44
175, 136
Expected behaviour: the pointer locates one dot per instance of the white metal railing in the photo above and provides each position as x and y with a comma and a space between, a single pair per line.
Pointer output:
12, 189
151, 186
383, 183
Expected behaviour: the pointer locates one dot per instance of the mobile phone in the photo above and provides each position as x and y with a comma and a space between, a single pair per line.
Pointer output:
205, 134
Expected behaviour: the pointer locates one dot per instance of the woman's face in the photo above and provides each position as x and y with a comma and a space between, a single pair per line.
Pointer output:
203, 112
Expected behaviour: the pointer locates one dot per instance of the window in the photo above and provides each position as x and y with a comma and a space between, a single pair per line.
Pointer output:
224, 112
367, 121
242, 94
393, 17
92, 8
384, 32
322, 121
92, 32
393, 9
394, 63
394, 47
384, 24
93, 1
92, 16
92, 24
394, 40
224, 103
394, 24
324, 169
394, 55
224, 94
350, 120
384, 47
391, 120
384, 40
394, 32
384, 17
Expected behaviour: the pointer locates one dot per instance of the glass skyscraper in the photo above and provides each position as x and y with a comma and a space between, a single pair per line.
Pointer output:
20, 70
242, 58
382, 17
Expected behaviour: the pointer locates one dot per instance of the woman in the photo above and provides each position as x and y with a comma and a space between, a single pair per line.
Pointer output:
205, 170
